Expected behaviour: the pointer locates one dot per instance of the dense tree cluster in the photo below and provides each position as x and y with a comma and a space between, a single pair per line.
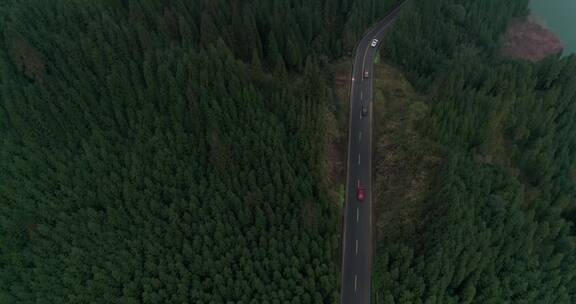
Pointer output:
502, 211
169, 151
432, 32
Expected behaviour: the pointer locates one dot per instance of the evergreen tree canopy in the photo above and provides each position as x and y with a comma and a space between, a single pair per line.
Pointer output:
168, 151
499, 224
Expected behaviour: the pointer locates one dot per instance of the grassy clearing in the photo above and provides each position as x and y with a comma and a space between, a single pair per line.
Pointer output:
404, 160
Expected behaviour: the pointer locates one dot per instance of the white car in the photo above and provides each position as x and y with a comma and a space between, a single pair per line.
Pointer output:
374, 42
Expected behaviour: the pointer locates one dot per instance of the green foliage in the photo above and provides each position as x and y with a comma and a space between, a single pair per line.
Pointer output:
500, 224
149, 155
431, 33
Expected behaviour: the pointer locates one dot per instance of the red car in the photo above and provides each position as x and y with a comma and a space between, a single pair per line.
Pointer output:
361, 192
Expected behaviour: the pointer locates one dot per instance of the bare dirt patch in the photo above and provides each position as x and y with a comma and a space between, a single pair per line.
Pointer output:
529, 39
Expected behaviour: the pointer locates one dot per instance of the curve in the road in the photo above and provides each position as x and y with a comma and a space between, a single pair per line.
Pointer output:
357, 240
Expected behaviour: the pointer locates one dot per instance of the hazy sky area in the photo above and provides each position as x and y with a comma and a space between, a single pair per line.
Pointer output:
559, 16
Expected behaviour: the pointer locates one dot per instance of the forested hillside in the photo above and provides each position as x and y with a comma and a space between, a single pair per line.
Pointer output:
500, 220
169, 151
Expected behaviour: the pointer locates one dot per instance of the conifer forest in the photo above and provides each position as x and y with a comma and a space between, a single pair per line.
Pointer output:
500, 223
169, 151
175, 152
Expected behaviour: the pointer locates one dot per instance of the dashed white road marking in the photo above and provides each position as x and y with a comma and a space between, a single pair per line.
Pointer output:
355, 282
357, 215
356, 247
360, 136
358, 158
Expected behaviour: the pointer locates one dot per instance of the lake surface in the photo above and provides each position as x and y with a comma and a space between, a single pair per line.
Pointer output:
560, 16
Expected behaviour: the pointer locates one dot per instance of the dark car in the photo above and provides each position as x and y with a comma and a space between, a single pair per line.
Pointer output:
364, 110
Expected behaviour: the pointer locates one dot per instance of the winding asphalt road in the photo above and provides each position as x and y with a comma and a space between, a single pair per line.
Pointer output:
357, 241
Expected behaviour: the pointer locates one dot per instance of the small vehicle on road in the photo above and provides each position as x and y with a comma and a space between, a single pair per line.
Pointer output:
364, 110
374, 42
366, 74
361, 192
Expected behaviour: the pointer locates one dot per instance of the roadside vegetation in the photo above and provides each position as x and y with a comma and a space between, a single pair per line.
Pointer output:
488, 212
404, 160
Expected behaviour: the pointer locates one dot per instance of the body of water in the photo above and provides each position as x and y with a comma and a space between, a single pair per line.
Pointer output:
560, 17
